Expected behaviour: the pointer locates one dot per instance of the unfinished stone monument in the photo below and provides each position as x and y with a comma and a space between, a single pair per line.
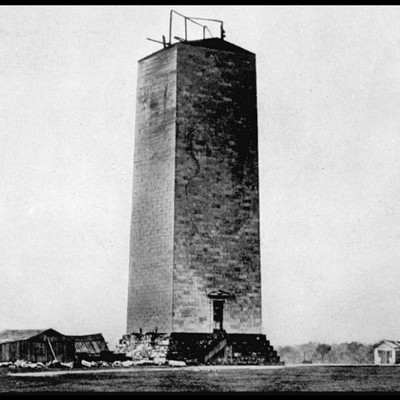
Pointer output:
195, 273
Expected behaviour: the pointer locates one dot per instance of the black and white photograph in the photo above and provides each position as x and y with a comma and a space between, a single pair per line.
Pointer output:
199, 199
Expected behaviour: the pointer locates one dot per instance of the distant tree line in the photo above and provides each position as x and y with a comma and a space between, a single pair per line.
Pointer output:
343, 353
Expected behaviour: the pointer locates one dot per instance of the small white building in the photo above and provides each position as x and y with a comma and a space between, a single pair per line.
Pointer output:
387, 352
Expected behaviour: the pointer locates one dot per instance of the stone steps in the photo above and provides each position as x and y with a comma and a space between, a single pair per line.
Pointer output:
202, 348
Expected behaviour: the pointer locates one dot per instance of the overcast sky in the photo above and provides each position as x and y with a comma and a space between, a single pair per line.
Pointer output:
328, 81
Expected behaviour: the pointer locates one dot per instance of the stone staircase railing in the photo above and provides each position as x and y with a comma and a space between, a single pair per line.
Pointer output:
220, 345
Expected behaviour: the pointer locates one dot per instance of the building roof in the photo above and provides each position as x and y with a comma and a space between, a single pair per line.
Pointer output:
15, 335
91, 344
395, 344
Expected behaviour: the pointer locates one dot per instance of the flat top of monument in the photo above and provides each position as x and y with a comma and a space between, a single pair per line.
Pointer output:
212, 43
217, 44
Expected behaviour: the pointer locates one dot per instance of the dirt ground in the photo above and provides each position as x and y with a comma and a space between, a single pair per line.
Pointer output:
209, 379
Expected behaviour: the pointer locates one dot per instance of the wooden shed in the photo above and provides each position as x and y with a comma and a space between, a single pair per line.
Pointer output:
36, 345
47, 345
387, 352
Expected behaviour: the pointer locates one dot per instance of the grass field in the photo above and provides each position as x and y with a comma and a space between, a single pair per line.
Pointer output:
290, 378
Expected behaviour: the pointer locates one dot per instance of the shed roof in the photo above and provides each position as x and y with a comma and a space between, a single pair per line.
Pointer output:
15, 335
395, 344
91, 344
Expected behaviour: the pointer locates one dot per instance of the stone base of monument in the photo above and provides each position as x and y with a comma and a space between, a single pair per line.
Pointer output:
217, 348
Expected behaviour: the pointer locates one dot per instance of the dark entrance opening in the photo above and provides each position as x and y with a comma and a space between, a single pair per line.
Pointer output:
218, 309
384, 355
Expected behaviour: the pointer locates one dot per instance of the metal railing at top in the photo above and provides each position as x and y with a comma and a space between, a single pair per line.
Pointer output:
192, 20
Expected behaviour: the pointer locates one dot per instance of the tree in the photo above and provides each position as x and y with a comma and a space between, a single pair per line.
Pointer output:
323, 349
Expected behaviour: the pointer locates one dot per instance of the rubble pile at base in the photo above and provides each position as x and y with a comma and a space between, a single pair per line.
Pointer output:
29, 365
22, 365
147, 348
